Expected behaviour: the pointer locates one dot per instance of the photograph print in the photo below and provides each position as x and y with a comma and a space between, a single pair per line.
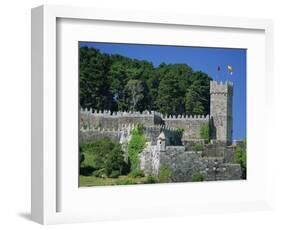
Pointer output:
161, 114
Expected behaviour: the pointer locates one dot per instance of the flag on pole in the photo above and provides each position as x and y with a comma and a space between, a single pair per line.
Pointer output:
230, 69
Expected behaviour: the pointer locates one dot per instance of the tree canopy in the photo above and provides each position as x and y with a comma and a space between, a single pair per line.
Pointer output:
118, 83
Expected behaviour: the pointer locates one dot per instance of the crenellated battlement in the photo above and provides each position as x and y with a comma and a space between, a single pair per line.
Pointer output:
221, 87
123, 132
220, 113
173, 141
186, 117
107, 121
225, 83
99, 129
107, 113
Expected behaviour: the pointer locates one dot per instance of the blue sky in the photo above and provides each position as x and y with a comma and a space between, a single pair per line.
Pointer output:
198, 58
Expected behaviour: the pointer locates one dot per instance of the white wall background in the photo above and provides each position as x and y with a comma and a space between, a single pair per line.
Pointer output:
15, 112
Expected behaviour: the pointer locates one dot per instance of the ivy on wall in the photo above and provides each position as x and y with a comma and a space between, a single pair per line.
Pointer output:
136, 146
205, 132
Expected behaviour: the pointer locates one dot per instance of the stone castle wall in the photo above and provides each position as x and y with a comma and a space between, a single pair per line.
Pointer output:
173, 136
122, 133
180, 154
220, 117
184, 164
97, 134
191, 125
108, 120
150, 160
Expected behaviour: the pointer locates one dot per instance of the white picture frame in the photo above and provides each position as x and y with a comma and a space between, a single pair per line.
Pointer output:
47, 176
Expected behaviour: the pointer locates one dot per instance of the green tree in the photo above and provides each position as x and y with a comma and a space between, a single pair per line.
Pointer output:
94, 83
190, 100
194, 102
150, 81
179, 90
197, 97
124, 70
118, 78
135, 91
108, 82
170, 98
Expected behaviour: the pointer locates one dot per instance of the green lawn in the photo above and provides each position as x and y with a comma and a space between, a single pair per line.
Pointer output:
86, 181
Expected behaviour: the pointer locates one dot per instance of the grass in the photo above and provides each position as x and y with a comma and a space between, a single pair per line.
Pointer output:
87, 181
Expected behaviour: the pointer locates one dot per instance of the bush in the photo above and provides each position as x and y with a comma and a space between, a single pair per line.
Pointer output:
197, 177
199, 147
180, 130
114, 161
177, 137
81, 157
86, 171
136, 174
205, 132
99, 173
136, 146
95, 152
114, 174
241, 158
151, 180
165, 175
102, 157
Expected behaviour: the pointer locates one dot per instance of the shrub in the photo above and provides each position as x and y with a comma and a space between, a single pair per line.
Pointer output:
114, 161
176, 139
136, 174
180, 130
102, 157
136, 146
165, 175
96, 151
197, 177
81, 157
241, 158
199, 147
99, 173
114, 174
205, 132
86, 171
151, 180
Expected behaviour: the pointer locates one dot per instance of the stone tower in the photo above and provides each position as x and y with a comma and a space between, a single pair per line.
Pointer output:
221, 110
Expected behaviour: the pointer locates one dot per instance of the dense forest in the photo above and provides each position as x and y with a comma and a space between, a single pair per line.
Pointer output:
118, 83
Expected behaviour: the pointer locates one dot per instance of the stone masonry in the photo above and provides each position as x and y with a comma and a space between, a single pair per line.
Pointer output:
221, 110
168, 146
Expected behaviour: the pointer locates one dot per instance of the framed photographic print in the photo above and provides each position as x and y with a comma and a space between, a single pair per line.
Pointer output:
137, 114
143, 121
